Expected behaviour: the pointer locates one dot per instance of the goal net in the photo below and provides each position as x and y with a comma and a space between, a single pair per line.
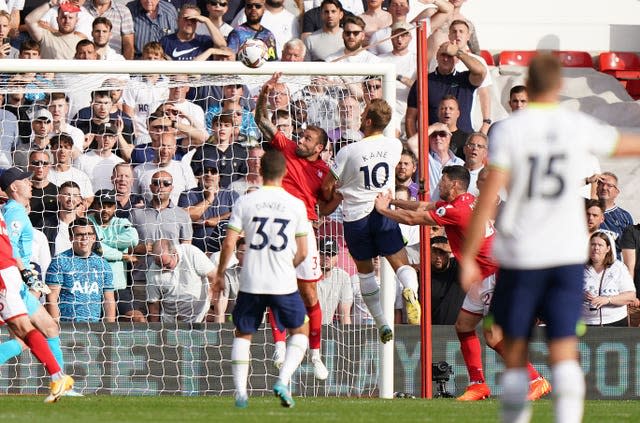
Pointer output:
51, 99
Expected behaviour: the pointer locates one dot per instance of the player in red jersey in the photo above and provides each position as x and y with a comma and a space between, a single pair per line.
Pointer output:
13, 312
305, 173
453, 213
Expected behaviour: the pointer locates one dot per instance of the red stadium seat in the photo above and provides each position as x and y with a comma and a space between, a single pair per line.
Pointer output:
633, 88
516, 57
574, 59
488, 57
622, 65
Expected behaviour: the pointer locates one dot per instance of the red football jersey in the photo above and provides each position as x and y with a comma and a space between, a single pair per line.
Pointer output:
304, 178
455, 217
6, 252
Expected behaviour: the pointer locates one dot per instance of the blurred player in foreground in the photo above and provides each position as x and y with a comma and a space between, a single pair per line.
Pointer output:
453, 213
361, 171
275, 227
538, 155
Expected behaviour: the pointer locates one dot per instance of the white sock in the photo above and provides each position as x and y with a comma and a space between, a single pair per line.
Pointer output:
296, 349
370, 290
315, 353
514, 407
281, 346
568, 391
408, 277
57, 376
240, 359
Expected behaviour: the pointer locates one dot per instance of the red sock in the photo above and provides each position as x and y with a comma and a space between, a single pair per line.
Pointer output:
39, 347
472, 355
278, 335
533, 373
315, 325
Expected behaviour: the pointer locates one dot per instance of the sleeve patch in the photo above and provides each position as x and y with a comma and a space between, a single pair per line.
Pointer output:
441, 211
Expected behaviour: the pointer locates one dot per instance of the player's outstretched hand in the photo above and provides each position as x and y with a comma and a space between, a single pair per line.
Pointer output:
383, 200
271, 83
469, 273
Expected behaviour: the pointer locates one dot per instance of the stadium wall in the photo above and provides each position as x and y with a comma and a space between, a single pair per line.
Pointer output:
191, 360
590, 25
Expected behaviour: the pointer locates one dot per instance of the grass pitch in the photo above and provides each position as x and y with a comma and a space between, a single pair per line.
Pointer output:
120, 409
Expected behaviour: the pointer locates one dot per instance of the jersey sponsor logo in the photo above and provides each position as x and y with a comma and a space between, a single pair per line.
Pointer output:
85, 288
441, 211
180, 53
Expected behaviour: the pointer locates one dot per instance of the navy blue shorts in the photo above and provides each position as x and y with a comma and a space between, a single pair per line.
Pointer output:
372, 236
554, 294
288, 310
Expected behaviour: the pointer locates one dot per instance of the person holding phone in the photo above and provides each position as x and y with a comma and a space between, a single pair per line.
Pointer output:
6, 50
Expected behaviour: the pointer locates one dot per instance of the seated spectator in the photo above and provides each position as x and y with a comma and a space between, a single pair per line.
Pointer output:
117, 238
252, 180
6, 50
215, 11
37, 140
56, 226
234, 101
447, 295
60, 42
335, 294
518, 98
9, 136
98, 163
252, 28
293, 50
120, 24
179, 283
349, 112
185, 43
58, 104
81, 281
476, 153
405, 169
616, 219
188, 116
440, 155
62, 171
326, 40
608, 286
209, 207
122, 181
152, 20
44, 194
102, 34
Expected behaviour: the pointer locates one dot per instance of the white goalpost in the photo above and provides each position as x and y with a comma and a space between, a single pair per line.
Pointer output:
195, 359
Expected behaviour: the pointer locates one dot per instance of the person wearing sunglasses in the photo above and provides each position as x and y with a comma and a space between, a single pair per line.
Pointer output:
353, 37
252, 28
216, 10
44, 194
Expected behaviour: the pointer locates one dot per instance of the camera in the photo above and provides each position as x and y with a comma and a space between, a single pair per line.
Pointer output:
441, 373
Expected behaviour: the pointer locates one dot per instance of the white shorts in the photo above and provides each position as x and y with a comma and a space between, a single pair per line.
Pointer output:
11, 304
479, 296
309, 270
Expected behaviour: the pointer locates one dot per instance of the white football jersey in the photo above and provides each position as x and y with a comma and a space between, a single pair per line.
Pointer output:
544, 149
364, 169
271, 219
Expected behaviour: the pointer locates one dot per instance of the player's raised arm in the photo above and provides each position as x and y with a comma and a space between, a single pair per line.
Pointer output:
267, 128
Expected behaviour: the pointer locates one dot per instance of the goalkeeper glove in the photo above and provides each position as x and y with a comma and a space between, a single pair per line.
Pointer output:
33, 281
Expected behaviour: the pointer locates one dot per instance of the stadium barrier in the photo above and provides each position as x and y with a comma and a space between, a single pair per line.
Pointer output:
188, 360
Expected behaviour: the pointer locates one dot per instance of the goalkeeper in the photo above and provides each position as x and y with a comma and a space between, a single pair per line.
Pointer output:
16, 184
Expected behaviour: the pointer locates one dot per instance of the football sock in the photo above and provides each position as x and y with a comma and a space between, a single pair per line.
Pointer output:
278, 335
568, 391
514, 407
408, 277
38, 345
315, 325
9, 349
296, 349
472, 355
240, 358
533, 373
371, 296
56, 350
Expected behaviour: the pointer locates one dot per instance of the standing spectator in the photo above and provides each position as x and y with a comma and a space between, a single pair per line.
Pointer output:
179, 283
334, 289
58, 104
83, 26
98, 163
80, 280
117, 238
44, 194
405, 169
375, 18
267, 278
518, 98
38, 138
233, 99
608, 286
252, 180
349, 114
152, 20
101, 31
122, 180
185, 43
209, 207
353, 37
630, 244
447, 295
595, 216
56, 226
6, 50
476, 152
326, 41
62, 171
120, 24
62, 43
440, 155
188, 116
616, 219
216, 10
252, 28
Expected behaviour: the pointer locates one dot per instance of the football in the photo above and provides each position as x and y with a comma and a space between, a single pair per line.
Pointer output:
253, 53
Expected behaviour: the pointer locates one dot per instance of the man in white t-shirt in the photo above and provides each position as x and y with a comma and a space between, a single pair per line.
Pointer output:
275, 226
59, 108
334, 289
353, 36
62, 171
98, 163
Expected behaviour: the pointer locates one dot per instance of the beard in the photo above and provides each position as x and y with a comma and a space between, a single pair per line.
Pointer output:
302, 153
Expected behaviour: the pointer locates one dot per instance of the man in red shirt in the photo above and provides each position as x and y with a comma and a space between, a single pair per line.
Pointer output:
305, 173
453, 213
